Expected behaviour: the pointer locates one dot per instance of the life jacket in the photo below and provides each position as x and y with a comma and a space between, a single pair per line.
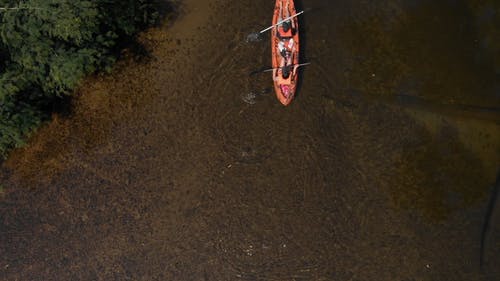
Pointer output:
285, 48
284, 81
283, 34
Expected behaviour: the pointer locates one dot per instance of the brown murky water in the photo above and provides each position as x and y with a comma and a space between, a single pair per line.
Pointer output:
184, 167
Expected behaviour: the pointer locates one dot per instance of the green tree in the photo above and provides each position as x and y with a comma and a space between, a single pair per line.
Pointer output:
48, 46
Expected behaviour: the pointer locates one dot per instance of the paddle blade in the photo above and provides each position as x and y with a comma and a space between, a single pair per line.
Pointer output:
257, 71
254, 37
262, 70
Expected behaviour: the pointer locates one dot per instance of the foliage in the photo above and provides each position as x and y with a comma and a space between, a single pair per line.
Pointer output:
48, 46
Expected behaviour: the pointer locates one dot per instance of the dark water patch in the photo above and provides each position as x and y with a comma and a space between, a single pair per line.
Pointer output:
491, 114
437, 176
386, 44
487, 20
439, 43
485, 231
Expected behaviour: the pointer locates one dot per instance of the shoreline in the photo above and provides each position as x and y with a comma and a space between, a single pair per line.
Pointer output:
92, 104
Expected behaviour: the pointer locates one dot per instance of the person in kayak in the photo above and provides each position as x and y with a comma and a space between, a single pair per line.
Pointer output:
284, 74
286, 45
286, 51
284, 78
287, 29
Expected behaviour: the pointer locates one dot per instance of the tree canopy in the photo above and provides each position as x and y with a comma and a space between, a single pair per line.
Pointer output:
48, 46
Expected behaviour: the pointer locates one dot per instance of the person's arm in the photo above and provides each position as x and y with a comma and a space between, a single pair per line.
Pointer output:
295, 67
289, 59
291, 56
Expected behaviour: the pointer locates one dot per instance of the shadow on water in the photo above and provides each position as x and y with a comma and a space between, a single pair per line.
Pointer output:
303, 43
131, 47
435, 174
460, 110
432, 50
488, 217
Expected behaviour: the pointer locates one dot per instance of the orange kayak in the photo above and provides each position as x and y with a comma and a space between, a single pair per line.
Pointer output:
285, 51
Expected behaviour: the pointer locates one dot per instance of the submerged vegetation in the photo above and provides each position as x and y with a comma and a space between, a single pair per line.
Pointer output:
48, 46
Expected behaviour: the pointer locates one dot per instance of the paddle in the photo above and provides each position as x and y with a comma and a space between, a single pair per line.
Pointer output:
256, 36
280, 22
271, 69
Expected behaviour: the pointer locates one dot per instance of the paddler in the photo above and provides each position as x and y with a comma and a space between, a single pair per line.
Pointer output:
284, 79
286, 30
284, 74
286, 51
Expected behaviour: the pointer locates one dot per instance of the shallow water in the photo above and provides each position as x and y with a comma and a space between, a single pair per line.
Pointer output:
185, 167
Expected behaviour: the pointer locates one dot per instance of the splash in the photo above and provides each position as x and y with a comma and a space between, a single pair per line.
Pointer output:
253, 37
249, 97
